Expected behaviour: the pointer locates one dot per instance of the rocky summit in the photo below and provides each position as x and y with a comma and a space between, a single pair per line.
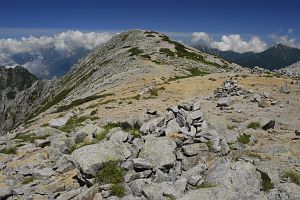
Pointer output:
144, 117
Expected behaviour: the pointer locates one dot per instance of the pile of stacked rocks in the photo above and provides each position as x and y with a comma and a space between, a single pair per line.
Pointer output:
230, 88
168, 159
257, 69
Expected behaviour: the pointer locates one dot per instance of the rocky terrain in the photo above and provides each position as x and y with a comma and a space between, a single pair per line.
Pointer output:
292, 70
164, 127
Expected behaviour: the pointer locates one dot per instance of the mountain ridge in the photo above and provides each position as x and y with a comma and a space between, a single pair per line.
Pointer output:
143, 53
275, 57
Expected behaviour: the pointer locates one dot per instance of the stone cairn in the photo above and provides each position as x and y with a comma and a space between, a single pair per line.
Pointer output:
230, 88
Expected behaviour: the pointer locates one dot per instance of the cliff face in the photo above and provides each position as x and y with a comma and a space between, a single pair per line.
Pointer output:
20, 93
14, 80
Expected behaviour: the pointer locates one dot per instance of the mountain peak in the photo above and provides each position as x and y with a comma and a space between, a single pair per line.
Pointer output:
146, 55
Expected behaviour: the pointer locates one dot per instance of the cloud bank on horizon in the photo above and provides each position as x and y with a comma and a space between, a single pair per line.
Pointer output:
63, 45
234, 42
37, 53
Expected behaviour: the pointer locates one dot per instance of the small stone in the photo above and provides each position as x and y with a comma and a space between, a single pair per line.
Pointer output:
98, 196
160, 177
42, 143
151, 112
266, 94
181, 120
285, 89
141, 164
223, 102
196, 106
43, 173
120, 136
268, 125
193, 180
194, 149
297, 132
196, 114
264, 103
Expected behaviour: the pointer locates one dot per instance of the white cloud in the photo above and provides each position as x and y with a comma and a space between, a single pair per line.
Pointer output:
232, 42
201, 36
285, 39
37, 67
65, 42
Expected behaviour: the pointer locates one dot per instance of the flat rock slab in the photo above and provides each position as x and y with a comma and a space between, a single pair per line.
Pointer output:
160, 152
60, 122
90, 158
194, 149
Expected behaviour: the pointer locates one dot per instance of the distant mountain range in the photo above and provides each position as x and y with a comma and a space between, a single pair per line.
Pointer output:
275, 57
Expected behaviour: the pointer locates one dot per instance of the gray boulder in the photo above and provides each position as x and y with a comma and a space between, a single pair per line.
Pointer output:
224, 102
171, 127
141, 164
90, 158
160, 152
241, 179
120, 136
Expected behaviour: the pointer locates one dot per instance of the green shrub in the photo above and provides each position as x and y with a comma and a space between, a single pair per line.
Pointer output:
209, 144
254, 125
136, 97
244, 138
193, 72
295, 178
150, 35
82, 101
230, 127
72, 123
153, 92
146, 56
206, 185
134, 132
110, 173
135, 51
9, 150
27, 180
102, 135
267, 184
94, 112
167, 51
254, 155
117, 190
30, 138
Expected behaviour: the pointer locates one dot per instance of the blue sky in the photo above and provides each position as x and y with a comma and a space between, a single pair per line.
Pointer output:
216, 17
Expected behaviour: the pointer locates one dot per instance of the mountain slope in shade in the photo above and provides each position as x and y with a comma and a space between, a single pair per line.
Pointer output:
275, 57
